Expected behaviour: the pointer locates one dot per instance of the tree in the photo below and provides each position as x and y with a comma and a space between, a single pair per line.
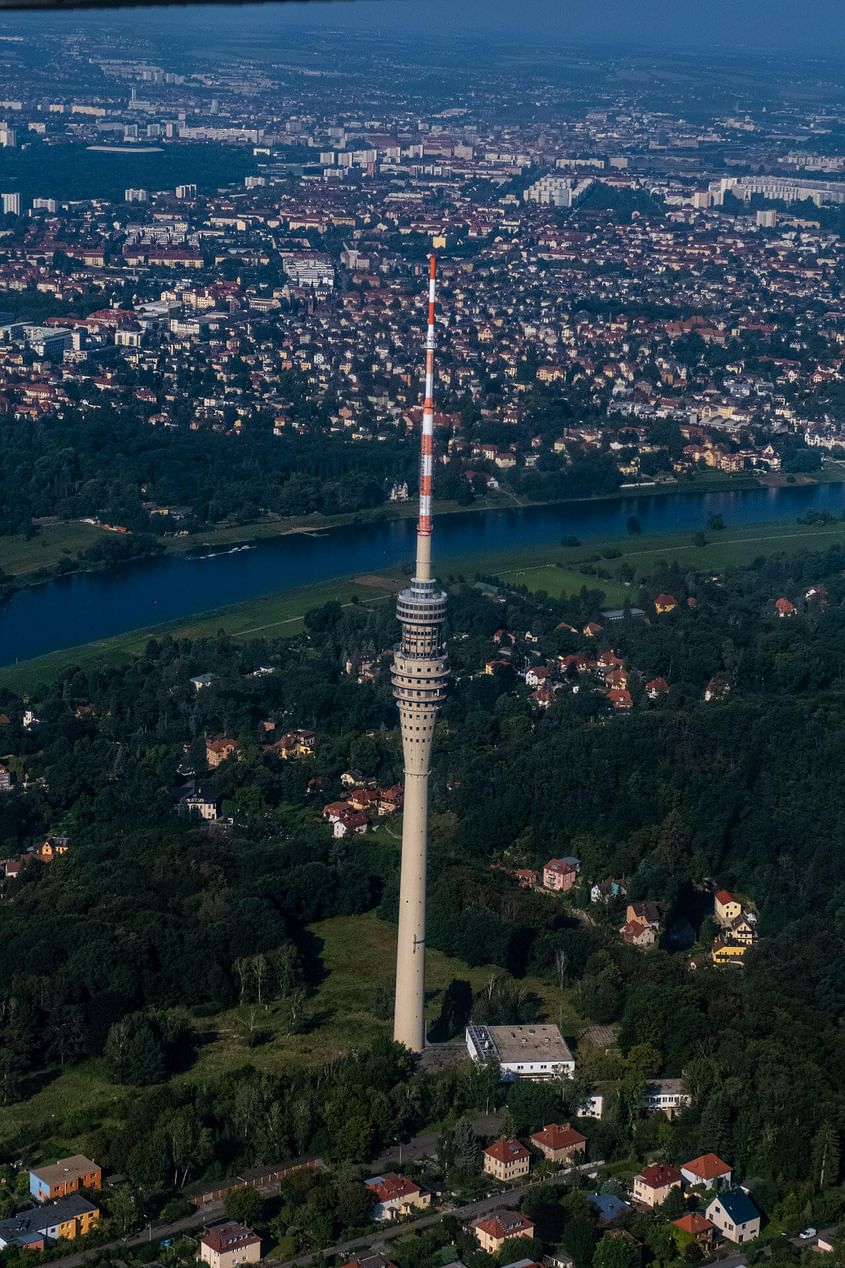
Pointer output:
465, 1147
615, 1250
243, 1205
134, 1051
123, 1207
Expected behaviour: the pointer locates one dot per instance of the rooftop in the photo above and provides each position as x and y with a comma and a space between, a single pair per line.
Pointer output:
522, 1043
72, 1168
223, 1238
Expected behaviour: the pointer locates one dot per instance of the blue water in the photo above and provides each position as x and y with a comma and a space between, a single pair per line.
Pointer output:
78, 609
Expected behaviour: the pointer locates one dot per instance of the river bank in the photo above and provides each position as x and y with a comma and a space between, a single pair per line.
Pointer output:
57, 549
551, 567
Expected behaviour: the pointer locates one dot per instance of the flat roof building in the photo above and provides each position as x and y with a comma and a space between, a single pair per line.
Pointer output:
536, 1052
66, 1176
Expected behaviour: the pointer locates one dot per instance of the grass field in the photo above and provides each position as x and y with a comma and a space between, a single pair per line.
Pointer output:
357, 953
20, 556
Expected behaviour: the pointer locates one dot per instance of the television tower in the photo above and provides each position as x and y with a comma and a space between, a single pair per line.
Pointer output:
419, 677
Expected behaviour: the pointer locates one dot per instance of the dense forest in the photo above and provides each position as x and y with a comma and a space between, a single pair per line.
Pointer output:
149, 922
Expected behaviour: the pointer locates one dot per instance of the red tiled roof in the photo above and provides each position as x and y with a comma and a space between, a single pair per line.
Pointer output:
228, 1237
559, 1136
693, 1223
389, 1187
659, 1175
505, 1225
507, 1151
724, 896
708, 1166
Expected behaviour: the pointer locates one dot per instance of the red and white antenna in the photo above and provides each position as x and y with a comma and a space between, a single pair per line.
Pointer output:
427, 438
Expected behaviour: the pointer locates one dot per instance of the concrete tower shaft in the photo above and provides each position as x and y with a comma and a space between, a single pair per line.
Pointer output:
419, 673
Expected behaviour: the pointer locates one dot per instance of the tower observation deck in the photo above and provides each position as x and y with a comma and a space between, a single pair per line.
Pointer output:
419, 673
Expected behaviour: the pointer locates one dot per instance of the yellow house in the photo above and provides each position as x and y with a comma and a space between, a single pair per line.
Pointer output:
68, 1218
727, 952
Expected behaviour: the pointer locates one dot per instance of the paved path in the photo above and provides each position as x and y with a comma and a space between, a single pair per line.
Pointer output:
416, 1148
472, 1210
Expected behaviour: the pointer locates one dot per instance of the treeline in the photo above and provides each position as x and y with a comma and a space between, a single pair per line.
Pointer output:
111, 466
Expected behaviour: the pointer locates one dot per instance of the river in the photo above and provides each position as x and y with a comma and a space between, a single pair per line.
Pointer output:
88, 606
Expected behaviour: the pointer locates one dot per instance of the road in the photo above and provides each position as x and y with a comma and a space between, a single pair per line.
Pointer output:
499, 1201
416, 1148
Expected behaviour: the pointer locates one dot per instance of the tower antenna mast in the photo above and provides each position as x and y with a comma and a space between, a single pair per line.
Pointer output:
420, 670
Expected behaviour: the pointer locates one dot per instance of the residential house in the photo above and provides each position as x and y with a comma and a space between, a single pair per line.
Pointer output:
559, 875
620, 699
228, 1244
396, 1196
50, 848
558, 1142
7, 778
723, 952
656, 687
735, 1216
220, 750
364, 799
708, 1170
609, 1208
64, 1177
536, 676
349, 822
492, 1231
603, 891
743, 930
506, 1160
785, 608
592, 630
376, 1259
296, 744
654, 1184
726, 908
697, 1228
390, 799
668, 1096
638, 934
665, 603
68, 1218
718, 688
645, 911
202, 681
205, 805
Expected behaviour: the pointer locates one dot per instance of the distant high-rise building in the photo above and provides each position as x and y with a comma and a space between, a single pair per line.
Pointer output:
8, 137
767, 218
45, 204
11, 204
419, 676
136, 196
186, 191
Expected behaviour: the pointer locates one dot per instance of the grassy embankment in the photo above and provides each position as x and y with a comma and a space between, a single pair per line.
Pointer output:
555, 569
357, 954
64, 542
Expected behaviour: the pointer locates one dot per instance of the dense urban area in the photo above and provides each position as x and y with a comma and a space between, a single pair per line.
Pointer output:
640, 281
213, 270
